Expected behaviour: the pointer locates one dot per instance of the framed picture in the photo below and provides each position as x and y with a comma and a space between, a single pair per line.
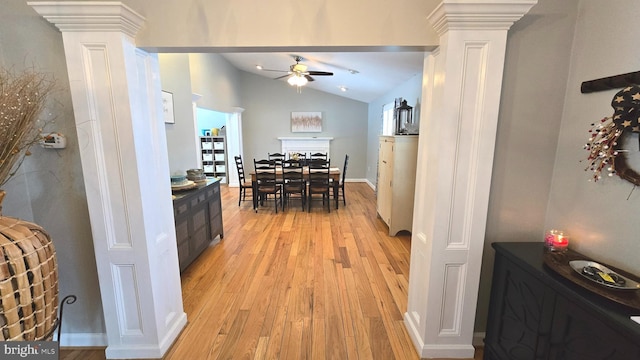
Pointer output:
167, 107
306, 121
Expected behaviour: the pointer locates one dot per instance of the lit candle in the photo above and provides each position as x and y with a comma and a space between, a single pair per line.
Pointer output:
556, 240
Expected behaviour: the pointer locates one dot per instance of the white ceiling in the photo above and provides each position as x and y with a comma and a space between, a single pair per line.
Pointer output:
377, 72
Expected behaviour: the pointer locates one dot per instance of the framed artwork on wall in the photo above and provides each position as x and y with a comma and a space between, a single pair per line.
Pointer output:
306, 121
167, 107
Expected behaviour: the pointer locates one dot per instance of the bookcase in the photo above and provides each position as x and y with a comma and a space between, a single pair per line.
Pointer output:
214, 156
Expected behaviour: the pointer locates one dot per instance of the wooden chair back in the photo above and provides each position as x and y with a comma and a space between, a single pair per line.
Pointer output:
240, 168
266, 175
293, 181
278, 157
319, 155
319, 181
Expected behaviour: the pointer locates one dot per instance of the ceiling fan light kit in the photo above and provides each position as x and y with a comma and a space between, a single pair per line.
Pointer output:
298, 75
297, 80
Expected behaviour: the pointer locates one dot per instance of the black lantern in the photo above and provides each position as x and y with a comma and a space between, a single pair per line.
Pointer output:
404, 119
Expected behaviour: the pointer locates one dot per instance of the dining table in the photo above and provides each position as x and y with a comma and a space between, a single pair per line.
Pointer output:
334, 176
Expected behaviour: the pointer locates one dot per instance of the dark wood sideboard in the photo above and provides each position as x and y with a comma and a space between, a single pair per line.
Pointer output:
198, 218
535, 313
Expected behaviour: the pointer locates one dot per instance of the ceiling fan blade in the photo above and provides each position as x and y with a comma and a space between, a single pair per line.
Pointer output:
275, 70
309, 78
281, 77
320, 73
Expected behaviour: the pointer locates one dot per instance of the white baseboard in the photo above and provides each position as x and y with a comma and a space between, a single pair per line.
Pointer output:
82, 339
149, 351
92, 340
371, 185
447, 351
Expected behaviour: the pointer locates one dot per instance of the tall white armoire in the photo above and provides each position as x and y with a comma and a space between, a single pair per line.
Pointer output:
397, 160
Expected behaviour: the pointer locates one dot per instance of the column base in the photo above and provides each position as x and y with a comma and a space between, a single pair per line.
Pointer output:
148, 351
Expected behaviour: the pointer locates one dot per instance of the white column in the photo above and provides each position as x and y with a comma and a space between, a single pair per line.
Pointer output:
115, 91
234, 144
461, 97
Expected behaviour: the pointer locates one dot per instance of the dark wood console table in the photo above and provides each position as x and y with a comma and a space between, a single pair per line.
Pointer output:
535, 313
198, 218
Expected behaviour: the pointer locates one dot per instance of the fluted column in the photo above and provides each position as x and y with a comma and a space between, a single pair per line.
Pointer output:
461, 97
115, 90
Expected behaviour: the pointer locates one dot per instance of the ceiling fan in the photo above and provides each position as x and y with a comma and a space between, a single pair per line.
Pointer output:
298, 73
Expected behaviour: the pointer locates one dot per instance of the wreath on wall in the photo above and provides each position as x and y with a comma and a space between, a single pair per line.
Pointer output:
606, 137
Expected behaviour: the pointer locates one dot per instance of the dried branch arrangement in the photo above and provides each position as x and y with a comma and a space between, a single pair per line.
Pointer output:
23, 97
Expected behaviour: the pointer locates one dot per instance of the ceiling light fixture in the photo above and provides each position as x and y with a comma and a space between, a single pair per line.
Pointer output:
353, 72
343, 88
259, 67
297, 80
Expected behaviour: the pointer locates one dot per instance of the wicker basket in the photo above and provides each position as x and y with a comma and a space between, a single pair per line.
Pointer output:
28, 281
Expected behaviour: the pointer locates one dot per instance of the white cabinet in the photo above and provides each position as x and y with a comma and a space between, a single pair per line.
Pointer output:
397, 160
213, 151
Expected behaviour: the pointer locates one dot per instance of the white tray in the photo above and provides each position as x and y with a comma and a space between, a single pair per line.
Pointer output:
578, 265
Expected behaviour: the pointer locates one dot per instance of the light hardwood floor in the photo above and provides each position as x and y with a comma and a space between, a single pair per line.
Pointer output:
296, 285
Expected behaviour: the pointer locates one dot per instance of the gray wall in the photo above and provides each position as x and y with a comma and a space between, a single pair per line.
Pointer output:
214, 80
410, 90
533, 97
268, 105
213, 77
599, 216
181, 141
50, 189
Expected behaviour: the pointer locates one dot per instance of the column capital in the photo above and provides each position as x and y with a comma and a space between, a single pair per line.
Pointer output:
478, 14
90, 16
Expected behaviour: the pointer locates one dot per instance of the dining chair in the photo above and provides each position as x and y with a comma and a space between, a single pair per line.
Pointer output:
319, 182
342, 180
278, 157
266, 182
293, 182
319, 155
244, 184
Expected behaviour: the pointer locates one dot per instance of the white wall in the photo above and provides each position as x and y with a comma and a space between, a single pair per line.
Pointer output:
600, 217
49, 190
410, 90
250, 24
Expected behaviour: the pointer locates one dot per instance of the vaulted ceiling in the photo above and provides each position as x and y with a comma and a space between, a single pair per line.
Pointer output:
365, 75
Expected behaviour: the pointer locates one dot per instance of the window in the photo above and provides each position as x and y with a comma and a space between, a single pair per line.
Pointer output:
387, 118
